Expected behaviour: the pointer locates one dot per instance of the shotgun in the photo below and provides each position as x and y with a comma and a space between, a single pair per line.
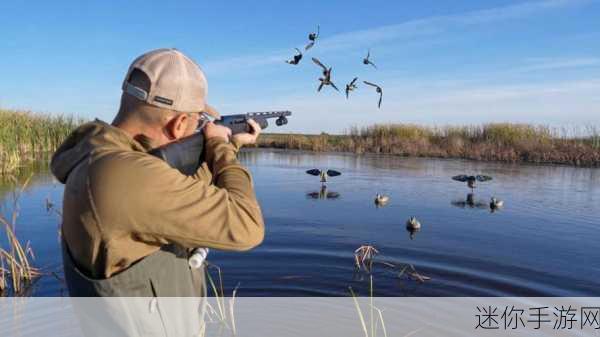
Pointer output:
187, 154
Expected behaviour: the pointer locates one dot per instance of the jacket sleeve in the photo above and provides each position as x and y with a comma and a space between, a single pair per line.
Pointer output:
140, 195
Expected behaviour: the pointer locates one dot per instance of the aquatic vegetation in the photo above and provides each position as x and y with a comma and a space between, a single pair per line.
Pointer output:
374, 324
16, 269
505, 142
27, 136
375, 315
224, 314
411, 272
363, 256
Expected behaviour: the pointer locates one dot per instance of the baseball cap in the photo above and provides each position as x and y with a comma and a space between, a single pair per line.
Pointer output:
176, 82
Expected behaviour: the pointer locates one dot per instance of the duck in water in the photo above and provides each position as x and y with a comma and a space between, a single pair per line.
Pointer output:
326, 79
413, 226
296, 58
496, 204
367, 61
378, 90
381, 200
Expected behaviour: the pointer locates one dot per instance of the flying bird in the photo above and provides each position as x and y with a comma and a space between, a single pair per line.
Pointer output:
379, 91
312, 37
351, 86
296, 58
323, 174
326, 79
471, 180
366, 60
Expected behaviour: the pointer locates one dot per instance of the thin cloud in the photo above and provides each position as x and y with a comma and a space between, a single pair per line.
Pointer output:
554, 64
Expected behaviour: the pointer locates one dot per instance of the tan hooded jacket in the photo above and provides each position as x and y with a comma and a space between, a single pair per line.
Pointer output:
121, 204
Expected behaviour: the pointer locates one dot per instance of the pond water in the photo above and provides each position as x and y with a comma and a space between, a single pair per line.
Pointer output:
543, 242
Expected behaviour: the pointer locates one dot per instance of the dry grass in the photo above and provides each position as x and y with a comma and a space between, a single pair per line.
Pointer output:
491, 142
27, 136
225, 313
16, 269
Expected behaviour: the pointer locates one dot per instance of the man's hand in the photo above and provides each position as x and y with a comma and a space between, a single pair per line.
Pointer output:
211, 130
248, 137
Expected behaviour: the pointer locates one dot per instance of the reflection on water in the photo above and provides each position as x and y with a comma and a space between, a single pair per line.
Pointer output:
544, 244
470, 202
323, 193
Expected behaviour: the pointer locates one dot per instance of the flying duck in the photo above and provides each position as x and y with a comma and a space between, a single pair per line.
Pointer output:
312, 37
378, 90
366, 60
296, 58
351, 86
326, 79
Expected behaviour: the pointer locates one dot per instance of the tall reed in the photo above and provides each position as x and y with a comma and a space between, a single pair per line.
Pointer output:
27, 136
504, 142
16, 269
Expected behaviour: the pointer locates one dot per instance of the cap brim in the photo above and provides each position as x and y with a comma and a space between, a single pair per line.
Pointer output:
212, 111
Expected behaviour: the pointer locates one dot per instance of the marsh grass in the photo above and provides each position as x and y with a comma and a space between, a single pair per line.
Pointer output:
27, 136
16, 269
224, 314
372, 328
505, 142
375, 319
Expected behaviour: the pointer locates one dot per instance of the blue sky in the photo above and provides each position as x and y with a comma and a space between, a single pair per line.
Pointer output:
440, 62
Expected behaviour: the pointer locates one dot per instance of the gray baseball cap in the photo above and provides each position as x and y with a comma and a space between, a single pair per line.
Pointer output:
176, 82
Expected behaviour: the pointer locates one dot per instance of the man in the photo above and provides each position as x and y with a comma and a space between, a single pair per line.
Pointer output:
129, 219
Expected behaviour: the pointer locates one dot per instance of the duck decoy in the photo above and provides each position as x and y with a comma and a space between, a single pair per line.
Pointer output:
381, 200
413, 224
323, 174
496, 204
351, 86
296, 58
367, 61
326, 79
471, 180
312, 37
379, 91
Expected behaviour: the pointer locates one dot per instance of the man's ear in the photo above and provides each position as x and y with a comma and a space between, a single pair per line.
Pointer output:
177, 126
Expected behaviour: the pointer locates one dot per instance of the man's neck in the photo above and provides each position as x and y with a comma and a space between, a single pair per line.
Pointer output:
145, 136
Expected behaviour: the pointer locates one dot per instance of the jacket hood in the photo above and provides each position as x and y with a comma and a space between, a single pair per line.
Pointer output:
83, 141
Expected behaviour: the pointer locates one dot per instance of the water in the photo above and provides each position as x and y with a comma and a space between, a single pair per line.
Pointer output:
544, 242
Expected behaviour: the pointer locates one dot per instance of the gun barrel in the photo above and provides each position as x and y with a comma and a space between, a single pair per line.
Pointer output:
186, 154
269, 114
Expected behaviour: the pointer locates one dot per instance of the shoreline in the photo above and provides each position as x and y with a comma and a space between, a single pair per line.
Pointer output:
27, 136
502, 143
